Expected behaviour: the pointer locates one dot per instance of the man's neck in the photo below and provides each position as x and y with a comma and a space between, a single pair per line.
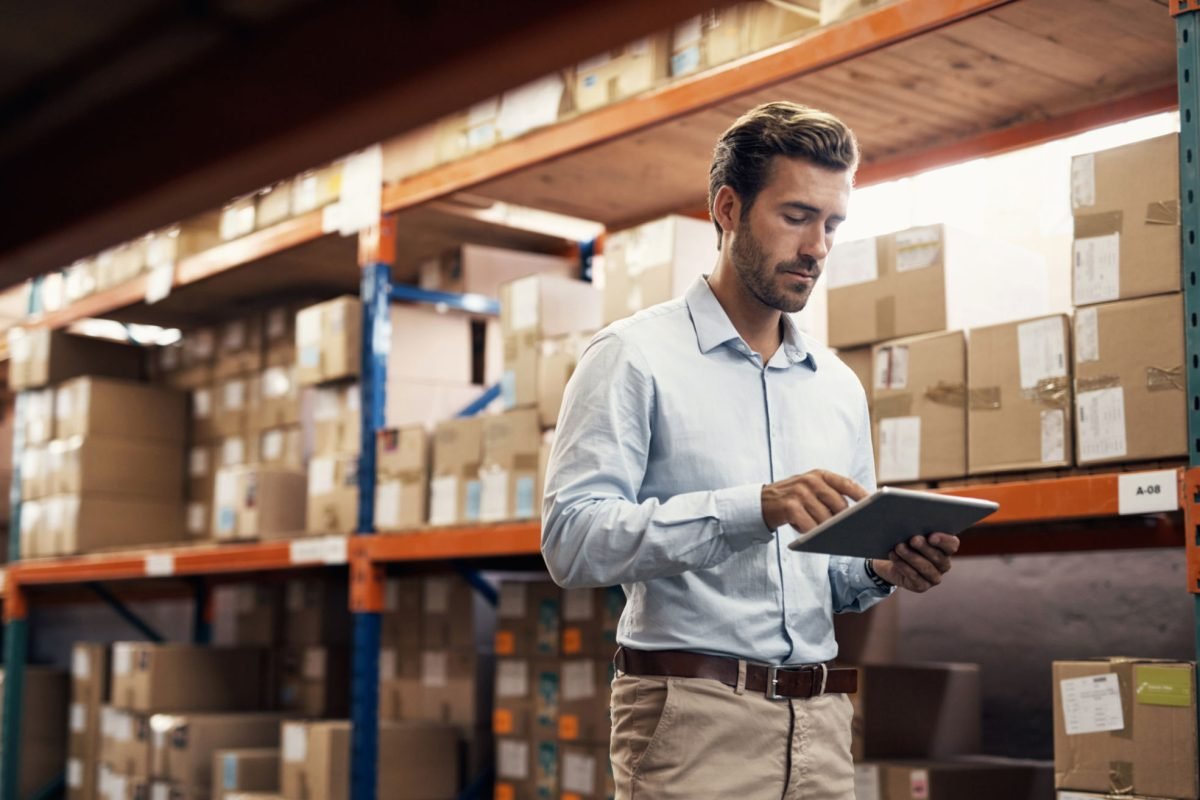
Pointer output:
757, 324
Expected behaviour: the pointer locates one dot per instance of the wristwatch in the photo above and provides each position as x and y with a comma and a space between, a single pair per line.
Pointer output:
880, 583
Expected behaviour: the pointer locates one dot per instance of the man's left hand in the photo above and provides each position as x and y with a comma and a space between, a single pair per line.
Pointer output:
919, 564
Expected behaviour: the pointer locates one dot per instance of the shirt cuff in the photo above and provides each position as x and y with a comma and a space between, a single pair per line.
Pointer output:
860, 581
740, 509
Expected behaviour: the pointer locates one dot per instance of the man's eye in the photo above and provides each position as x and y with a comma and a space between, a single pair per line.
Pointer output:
794, 220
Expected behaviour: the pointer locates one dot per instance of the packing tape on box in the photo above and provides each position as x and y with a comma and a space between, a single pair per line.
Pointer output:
1163, 212
1159, 380
1120, 777
1089, 226
405, 476
897, 405
953, 395
1053, 392
1097, 383
885, 317
984, 398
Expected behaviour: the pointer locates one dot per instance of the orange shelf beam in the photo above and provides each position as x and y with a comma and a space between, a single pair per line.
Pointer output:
485, 541
824, 47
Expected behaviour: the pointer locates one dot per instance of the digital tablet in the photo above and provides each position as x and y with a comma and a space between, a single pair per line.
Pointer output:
874, 526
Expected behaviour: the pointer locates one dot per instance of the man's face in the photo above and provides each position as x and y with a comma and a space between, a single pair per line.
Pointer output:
779, 248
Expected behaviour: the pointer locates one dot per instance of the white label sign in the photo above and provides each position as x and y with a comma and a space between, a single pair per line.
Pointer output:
578, 605
81, 665
578, 679
1087, 336
852, 262
524, 303
512, 759
1042, 349
493, 505
1083, 181
387, 664
891, 368
512, 601
1097, 269
1101, 424
122, 658
434, 669
321, 550
512, 678
160, 564
866, 782
1053, 435
314, 664
75, 773
900, 449
579, 774
78, 718
1092, 704
295, 743
159, 282
1147, 492
443, 500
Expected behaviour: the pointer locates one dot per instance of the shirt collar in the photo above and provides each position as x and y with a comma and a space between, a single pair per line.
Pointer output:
713, 327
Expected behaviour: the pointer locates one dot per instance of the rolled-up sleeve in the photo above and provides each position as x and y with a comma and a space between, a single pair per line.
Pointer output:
853, 589
595, 532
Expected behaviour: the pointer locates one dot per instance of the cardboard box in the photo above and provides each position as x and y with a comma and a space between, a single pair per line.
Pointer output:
332, 495
870, 637
33, 527
237, 218
198, 359
87, 464
202, 468
278, 399
402, 617
533, 105
1125, 202
447, 613
337, 420
589, 621
107, 407
127, 741
245, 770
445, 353
89, 691
654, 263
42, 356
273, 204
39, 416
528, 619
1018, 396
586, 772
1126, 726
186, 743
179, 678
427, 404
557, 360
635, 68
202, 425
87, 523
528, 698
508, 475
329, 341
237, 451
919, 424
916, 711
859, 360
316, 614
258, 614
37, 477
259, 503
978, 779
526, 769
585, 686
401, 699
282, 448
314, 681
767, 25
83, 778
402, 478
455, 489
316, 188
240, 347
534, 308
708, 39
1130, 389
279, 337
475, 269
456, 687
417, 760
232, 409
44, 732
929, 279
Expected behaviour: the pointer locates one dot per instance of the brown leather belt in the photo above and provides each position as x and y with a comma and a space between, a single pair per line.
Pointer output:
776, 683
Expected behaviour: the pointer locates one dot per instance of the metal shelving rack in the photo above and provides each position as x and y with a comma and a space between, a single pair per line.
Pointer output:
883, 59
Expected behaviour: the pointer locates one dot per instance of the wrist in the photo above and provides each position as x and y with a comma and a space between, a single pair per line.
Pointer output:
881, 583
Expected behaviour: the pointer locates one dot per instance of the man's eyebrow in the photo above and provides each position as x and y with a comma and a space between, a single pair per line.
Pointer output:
796, 204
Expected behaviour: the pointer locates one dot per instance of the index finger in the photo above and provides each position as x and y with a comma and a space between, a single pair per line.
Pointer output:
844, 485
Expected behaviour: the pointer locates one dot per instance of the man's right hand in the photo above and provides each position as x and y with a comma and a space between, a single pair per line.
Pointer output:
805, 501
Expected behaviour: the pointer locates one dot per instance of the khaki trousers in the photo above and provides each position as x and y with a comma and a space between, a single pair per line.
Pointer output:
694, 739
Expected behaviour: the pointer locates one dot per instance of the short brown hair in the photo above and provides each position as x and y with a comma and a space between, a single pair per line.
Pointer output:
743, 155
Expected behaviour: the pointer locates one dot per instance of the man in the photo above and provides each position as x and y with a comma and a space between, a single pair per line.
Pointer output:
696, 438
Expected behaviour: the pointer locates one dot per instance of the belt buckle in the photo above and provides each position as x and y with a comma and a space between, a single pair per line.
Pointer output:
772, 692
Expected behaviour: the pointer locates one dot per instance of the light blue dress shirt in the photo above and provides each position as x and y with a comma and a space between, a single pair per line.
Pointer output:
669, 428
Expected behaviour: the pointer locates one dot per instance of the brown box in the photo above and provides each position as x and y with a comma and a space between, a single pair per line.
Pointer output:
401, 620
202, 420
337, 420
870, 637
240, 347
39, 416
526, 768
402, 478
279, 337
508, 476
127, 742
316, 188
1126, 726
916, 711
919, 422
83, 777
1018, 394
202, 461
1130, 388
401, 698
232, 410
447, 613
589, 621
258, 614
475, 269
88, 523
556, 364
454, 489
273, 205
237, 451
428, 403
316, 614
445, 354
929, 279
329, 341
528, 619
417, 760
37, 478
653, 263
1125, 202
314, 681
974, 778
282, 447
185, 744
456, 688
43, 728
332, 495
637, 67
585, 685
258, 503
89, 691
585, 772
107, 407
43, 356
278, 398
534, 308
107, 465
245, 770
178, 678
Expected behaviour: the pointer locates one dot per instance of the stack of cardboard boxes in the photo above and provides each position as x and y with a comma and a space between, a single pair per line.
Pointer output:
721, 35
1046, 392
89, 694
43, 729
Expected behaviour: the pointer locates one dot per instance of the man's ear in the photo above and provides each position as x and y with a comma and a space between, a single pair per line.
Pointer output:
727, 209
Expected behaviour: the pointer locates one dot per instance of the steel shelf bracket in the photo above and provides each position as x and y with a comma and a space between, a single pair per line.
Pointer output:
16, 649
125, 612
